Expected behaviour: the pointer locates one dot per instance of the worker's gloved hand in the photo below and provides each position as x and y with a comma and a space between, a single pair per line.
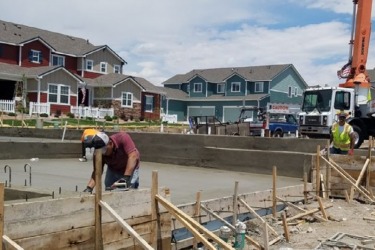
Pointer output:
351, 152
123, 182
88, 190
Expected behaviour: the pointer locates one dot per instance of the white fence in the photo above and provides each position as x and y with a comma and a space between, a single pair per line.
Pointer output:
39, 108
91, 112
8, 106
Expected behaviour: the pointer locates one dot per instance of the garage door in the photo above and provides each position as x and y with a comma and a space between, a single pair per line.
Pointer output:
201, 111
231, 114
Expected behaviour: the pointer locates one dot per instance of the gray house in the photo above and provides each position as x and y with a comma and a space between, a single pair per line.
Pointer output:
222, 92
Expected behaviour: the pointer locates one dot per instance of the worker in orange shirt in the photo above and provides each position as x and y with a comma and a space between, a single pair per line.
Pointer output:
86, 140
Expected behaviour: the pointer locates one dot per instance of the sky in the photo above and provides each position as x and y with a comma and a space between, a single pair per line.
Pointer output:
160, 39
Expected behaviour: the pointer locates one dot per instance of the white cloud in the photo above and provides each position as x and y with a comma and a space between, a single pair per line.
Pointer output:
160, 39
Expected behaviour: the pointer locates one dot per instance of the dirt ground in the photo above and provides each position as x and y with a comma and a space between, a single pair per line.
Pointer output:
349, 226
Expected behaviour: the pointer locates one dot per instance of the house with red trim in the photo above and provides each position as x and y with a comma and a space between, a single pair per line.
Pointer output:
64, 72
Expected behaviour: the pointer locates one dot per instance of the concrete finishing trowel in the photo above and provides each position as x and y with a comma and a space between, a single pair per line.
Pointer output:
119, 185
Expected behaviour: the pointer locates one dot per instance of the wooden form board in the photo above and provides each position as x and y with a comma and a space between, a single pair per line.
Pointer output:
352, 165
68, 223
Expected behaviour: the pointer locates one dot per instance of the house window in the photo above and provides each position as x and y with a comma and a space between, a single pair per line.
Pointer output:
188, 88
220, 88
58, 93
198, 87
258, 87
149, 106
127, 99
290, 91
235, 87
90, 65
35, 56
58, 60
295, 91
103, 67
116, 69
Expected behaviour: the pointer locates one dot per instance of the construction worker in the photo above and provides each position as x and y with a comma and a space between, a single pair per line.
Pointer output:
86, 138
342, 136
122, 159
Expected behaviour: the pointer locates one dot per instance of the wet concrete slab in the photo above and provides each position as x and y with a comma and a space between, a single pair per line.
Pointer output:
69, 176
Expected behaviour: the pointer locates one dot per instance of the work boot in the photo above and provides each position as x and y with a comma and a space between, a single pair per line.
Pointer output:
83, 159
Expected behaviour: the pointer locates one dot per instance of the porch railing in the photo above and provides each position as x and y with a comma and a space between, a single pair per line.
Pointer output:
39, 108
8, 106
84, 112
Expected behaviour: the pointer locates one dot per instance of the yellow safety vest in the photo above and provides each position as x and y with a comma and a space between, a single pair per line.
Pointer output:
341, 140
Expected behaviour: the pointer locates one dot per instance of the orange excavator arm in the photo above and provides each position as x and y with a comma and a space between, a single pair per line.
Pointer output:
360, 45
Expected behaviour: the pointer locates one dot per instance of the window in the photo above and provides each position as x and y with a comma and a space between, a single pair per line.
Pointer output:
220, 88
289, 91
258, 87
116, 69
235, 86
90, 65
58, 93
127, 100
103, 67
198, 87
188, 88
295, 91
149, 106
35, 56
58, 60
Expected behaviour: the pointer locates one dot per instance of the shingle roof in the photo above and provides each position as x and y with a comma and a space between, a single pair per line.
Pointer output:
18, 34
113, 79
16, 71
175, 94
218, 75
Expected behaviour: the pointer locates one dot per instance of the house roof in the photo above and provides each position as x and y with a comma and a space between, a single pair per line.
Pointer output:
175, 94
113, 79
15, 72
219, 75
18, 34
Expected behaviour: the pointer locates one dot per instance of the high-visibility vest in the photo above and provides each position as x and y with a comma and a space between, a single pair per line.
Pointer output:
341, 140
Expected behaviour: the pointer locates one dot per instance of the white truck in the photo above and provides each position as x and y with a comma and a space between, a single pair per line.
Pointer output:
321, 104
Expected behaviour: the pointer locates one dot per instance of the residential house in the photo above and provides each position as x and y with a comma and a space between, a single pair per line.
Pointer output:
65, 72
222, 92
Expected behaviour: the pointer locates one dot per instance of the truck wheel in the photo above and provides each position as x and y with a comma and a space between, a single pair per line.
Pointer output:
278, 133
358, 136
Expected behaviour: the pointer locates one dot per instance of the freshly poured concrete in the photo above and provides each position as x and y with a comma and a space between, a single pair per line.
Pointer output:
67, 175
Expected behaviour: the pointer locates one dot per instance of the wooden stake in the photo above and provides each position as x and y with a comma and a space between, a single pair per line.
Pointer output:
285, 226
307, 213
305, 188
368, 173
363, 171
197, 213
265, 236
98, 197
347, 198
328, 172
322, 185
322, 210
317, 170
154, 210
1, 213
274, 175
235, 204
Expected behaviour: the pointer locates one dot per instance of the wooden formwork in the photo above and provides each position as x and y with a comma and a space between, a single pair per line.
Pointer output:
346, 176
69, 223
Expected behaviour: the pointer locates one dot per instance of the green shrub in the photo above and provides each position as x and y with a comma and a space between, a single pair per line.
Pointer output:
107, 118
43, 115
114, 117
70, 115
12, 114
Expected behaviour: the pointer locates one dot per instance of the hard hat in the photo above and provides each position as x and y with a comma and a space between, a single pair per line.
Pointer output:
342, 114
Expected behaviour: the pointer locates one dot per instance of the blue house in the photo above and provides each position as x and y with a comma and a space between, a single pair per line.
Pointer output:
222, 92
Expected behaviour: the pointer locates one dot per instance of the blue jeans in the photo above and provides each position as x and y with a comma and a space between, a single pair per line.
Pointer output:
112, 176
338, 151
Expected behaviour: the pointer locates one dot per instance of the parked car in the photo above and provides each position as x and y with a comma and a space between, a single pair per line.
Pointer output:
281, 124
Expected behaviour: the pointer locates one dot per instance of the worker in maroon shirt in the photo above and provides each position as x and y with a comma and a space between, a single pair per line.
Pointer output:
122, 159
